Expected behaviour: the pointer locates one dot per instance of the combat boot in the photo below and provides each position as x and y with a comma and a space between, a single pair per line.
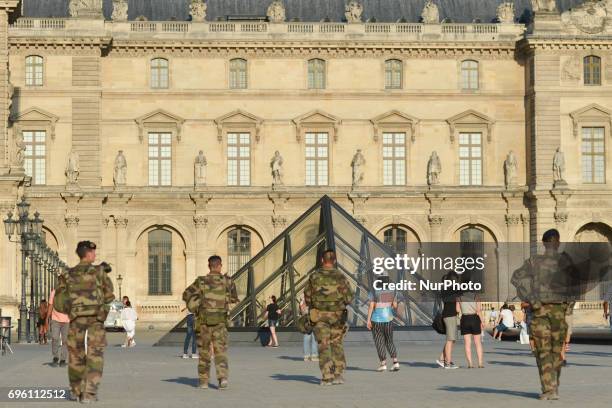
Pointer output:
327, 382
204, 385
339, 380
223, 384
551, 395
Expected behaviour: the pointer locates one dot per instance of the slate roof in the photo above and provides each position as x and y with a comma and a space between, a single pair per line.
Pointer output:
460, 11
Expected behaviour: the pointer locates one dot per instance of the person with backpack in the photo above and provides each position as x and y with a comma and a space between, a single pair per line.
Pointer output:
84, 294
209, 298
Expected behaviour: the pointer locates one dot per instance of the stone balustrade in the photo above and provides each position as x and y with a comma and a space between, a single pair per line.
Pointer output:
262, 30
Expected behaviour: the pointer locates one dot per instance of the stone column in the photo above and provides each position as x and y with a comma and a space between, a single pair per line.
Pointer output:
121, 251
199, 267
72, 238
435, 226
6, 7
191, 272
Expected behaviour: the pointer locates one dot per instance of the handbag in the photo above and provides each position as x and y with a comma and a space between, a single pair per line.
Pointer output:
438, 324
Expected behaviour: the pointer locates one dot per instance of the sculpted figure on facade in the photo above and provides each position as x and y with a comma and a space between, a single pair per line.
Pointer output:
353, 11
543, 5
505, 13
276, 164
558, 166
197, 10
120, 175
571, 70
20, 148
199, 169
120, 10
358, 164
276, 12
434, 168
588, 17
72, 167
430, 14
77, 8
510, 165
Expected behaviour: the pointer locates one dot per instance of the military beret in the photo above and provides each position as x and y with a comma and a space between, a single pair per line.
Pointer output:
86, 245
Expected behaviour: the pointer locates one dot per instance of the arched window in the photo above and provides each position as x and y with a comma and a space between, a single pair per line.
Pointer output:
393, 74
469, 75
396, 239
592, 70
238, 249
238, 74
34, 70
160, 262
159, 73
316, 74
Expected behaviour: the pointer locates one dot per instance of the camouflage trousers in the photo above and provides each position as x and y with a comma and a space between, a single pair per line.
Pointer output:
548, 329
330, 337
217, 336
85, 370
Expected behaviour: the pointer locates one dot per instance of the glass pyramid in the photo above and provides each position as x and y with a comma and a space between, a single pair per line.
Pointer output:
281, 269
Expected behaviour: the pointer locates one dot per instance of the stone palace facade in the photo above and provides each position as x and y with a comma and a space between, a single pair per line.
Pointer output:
168, 138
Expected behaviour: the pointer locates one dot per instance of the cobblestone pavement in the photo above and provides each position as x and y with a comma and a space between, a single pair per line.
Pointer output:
147, 376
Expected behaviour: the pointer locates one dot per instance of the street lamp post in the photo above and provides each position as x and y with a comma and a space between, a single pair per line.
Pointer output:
43, 266
119, 281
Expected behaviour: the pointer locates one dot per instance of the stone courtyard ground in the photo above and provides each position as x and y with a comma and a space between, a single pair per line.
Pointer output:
147, 376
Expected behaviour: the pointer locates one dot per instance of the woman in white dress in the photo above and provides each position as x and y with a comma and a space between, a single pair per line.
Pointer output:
128, 318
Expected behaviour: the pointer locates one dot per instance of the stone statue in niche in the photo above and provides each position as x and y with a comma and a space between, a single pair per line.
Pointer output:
358, 163
434, 168
199, 169
510, 165
120, 10
120, 175
276, 164
559, 167
197, 10
72, 168
505, 13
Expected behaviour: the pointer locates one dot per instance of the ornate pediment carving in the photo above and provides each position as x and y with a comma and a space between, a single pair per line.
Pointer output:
239, 119
396, 120
159, 119
589, 17
36, 117
470, 119
592, 113
316, 120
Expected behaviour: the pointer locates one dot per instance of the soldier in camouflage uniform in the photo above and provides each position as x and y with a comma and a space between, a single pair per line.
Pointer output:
84, 294
209, 298
327, 294
543, 281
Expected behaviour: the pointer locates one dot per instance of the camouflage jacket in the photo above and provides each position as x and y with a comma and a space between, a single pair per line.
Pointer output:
328, 290
545, 278
85, 290
213, 292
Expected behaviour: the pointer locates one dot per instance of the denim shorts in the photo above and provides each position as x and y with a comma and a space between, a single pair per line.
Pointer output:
501, 327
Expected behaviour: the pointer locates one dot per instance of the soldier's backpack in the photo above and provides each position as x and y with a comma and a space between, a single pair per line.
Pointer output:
327, 296
209, 298
81, 294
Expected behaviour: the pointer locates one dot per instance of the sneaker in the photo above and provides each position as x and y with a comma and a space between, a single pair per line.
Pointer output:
186, 356
396, 367
306, 358
223, 384
195, 356
441, 363
339, 380
123, 345
450, 366
62, 363
326, 382
314, 358
133, 344
381, 368
54, 362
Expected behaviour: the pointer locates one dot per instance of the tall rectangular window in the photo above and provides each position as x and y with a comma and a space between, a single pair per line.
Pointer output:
316, 74
238, 159
35, 155
592, 70
470, 159
394, 159
160, 74
160, 159
317, 159
593, 155
393, 74
34, 70
238, 74
469, 75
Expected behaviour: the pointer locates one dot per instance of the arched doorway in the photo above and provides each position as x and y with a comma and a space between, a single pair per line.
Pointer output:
591, 233
236, 246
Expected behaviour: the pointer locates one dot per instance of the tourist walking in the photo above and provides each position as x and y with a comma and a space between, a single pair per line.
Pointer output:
59, 333
128, 318
471, 326
190, 336
311, 350
272, 314
607, 305
449, 316
43, 322
380, 322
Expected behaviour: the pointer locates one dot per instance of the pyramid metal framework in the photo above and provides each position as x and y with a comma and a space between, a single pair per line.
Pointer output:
282, 268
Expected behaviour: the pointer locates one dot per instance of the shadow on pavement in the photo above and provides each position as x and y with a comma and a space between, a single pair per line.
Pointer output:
292, 358
517, 354
193, 382
303, 378
511, 363
483, 390
420, 364
591, 353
